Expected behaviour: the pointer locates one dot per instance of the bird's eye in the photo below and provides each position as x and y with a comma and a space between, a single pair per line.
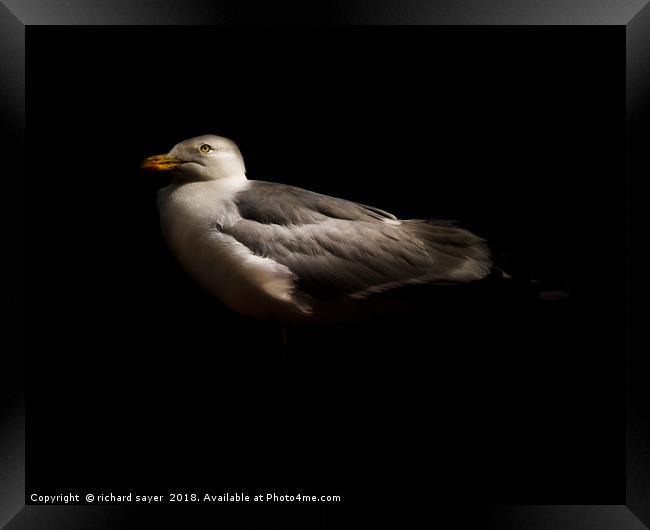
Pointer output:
205, 148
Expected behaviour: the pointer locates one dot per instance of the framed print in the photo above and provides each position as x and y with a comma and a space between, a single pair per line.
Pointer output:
351, 266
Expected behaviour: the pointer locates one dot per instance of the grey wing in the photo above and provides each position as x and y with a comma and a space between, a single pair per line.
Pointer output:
273, 203
337, 248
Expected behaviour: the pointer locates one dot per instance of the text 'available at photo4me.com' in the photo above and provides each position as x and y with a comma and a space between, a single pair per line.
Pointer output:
98, 497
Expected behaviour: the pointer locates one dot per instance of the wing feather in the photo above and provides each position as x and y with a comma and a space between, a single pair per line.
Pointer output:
337, 248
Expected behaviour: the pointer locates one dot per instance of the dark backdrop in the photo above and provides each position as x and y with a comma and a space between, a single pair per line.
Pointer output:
137, 380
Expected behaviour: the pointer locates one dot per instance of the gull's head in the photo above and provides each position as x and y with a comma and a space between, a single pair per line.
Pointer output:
207, 157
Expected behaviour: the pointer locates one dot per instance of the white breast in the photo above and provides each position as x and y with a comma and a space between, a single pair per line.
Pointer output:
190, 214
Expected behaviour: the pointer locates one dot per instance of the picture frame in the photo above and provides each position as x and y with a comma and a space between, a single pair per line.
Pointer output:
633, 19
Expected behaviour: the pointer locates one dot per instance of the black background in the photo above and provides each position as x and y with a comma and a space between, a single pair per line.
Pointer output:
136, 379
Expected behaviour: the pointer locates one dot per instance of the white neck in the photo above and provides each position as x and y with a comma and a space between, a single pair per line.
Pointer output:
232, 183
228, 168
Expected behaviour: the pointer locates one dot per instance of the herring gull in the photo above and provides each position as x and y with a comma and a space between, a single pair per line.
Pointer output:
274, 251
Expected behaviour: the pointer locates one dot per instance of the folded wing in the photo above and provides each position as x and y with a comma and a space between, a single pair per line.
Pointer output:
337, 248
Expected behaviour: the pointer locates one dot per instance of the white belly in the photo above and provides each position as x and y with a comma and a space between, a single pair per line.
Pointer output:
249, 284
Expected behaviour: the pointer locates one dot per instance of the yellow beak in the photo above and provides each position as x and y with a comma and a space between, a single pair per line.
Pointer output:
160, 163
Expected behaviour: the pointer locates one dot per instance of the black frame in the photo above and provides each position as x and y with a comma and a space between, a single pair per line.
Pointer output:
635, 16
